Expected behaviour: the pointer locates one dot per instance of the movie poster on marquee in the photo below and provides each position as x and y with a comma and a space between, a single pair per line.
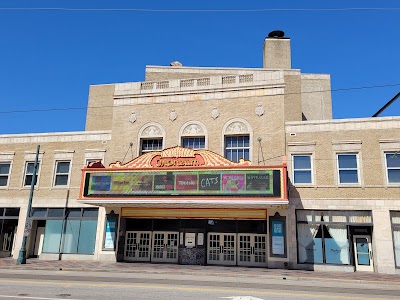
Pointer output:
140, 183
164, 182
186, 182
233, 182
120, 183
258, 182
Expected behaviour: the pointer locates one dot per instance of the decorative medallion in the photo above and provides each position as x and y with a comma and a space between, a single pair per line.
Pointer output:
259, 110
237, 127
133, 117
173, 115
215, 113
193, 129
152, 131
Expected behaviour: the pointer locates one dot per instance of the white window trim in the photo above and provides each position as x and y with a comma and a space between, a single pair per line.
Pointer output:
24, 173
55, 174
202, 134
359, 170
387, 169
141, 137
248, 132
9, 173
141, 152
311, 155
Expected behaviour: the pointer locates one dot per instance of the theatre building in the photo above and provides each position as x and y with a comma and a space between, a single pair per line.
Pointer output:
210, 166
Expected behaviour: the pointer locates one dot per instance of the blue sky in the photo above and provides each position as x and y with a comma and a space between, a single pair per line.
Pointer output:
48, 59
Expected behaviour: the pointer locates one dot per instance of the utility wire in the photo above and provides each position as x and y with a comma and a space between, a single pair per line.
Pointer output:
200, 10
284, 94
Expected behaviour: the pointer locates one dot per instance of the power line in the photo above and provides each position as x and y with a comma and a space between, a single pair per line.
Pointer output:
284, 94
332, 9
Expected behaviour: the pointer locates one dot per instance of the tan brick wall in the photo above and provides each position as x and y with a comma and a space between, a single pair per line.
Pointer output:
100, 107
268, 126
316, 105
372, 165
45, 194
293, 107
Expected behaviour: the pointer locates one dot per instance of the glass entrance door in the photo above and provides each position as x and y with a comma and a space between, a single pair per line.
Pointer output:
137, 245
252, 249
221, 248
165, 247
363, 253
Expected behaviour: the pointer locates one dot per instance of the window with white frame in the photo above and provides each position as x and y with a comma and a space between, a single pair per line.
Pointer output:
193, 135
5, 168
347, 168
237, 147
148, 145
302, 169
61, 174
194, 142
393, 167
151, 138
28, 176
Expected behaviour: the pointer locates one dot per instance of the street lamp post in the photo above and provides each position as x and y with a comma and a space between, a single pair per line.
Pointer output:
28, 225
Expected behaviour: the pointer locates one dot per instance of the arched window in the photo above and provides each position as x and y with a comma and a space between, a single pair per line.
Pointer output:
151, 138
237, 137
193, 135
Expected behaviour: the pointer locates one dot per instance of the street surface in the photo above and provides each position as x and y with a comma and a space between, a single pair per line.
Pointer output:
79, 285
74, 285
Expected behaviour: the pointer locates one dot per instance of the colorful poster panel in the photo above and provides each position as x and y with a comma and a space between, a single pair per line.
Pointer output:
233, 182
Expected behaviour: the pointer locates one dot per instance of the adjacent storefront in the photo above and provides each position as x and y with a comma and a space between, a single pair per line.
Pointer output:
190, 207
8, 229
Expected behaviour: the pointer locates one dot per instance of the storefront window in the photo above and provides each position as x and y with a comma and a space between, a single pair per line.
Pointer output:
323, 236
75, 234
395, 216
52, 236
337, 246
309, 246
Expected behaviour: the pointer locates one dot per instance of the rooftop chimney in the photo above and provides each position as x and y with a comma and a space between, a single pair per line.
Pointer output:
277, 51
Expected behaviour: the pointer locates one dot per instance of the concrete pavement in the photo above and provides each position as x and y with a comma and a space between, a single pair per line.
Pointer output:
215, 272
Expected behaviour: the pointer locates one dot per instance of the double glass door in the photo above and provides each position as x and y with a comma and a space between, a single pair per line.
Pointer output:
252, 249
243, 249
151, 246
165, 247
221, 248
137, 245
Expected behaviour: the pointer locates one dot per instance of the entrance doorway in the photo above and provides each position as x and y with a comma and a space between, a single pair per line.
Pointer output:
137, 245
165, 247
221, 248
37, 249
363, 253
252, 249
154, 246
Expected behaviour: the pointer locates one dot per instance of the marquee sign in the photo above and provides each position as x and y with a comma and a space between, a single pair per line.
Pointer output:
179, 171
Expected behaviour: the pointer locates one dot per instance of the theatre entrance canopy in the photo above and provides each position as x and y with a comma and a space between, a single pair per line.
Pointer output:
184, 178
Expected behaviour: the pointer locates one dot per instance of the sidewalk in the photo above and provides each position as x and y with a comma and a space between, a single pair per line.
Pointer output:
219, 271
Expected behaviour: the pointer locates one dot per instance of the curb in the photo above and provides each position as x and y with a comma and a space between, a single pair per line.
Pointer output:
227, 274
